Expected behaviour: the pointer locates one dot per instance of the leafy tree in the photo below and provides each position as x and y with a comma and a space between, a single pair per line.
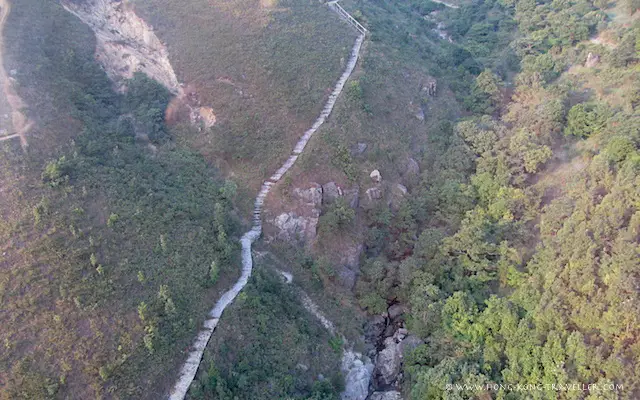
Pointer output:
585, 119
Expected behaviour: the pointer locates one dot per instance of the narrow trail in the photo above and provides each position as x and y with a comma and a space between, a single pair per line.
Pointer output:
445, 4
190, 367
21, 124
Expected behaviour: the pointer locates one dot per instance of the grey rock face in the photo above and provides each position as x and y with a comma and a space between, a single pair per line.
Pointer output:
358, 149
358, 375
311, 196
387, 365
331, 192
297, 228
393, 395
592, 60
409, 344
352, 197
395, 311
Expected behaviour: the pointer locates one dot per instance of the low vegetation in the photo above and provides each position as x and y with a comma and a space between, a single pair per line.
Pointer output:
270, 347
109, 237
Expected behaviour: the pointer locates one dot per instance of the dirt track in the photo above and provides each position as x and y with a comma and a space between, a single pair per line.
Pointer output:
21, 124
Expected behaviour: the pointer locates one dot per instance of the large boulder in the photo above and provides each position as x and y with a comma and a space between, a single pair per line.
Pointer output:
412, 168
374, 328
357, 371
311, 196
387, 365
409, 343
297, 228
330, 192
371, 197
358, 149
396, 310
352, 197
376, 176
392, 395
592, 60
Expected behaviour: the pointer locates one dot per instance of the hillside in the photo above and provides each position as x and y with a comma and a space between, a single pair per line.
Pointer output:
464, 222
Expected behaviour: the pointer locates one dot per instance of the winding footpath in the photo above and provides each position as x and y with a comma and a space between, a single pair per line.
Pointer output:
190, 367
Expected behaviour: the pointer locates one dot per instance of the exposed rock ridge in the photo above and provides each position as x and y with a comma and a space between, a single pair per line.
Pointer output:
125, 43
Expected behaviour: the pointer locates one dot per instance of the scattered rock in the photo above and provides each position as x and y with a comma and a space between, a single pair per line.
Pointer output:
296, 228
358, 149
311, 196
357, 376
430, 86
420, 114
393, 395
396, 310
330, 192
375, 176
592, 60
387, 365
412, 168
352, 197
373, 193
409, 343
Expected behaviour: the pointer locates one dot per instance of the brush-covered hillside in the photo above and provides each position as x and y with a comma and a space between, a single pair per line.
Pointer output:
466, 221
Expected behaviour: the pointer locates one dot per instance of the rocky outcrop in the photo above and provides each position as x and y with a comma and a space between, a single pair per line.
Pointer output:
409, 343
357, 370
592, 60
358, 149
311, 196
331, 192
352, 197
392, 395
387, 365
125, 44
297, 228
430, 87
375, 176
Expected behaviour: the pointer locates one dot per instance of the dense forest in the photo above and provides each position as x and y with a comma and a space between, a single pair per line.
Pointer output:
519, 253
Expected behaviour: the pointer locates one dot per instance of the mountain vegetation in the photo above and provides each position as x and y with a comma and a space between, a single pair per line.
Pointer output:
515, 249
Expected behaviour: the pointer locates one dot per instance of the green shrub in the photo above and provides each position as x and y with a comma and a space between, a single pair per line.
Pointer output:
585, 119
